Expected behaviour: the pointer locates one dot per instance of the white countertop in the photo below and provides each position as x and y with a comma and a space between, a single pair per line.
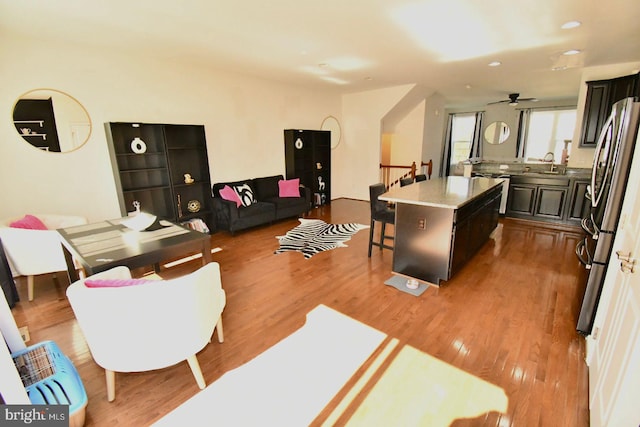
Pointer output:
451, 192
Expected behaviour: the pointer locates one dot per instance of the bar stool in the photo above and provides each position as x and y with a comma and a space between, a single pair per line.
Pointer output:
380, 212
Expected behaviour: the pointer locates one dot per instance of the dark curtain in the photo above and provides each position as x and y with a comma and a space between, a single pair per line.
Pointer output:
476, 142
523, 126
446, 155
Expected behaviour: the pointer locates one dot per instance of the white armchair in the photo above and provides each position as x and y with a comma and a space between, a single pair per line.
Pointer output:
34, 252
149, 326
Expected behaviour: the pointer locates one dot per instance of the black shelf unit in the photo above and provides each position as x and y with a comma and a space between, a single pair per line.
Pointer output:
156, 176
308, 157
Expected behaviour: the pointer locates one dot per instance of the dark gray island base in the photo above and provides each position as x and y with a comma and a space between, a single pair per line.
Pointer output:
441, 224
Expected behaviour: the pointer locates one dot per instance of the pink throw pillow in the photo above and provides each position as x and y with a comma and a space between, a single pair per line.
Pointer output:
228, 193
29, 222
289, 187
115, 283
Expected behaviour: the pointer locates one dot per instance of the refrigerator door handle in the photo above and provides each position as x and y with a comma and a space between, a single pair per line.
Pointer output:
582, 252
597, 191
589, 226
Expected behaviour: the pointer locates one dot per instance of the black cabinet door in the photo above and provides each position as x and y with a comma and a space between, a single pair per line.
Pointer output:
578, 203
601, 95
550, 202
596, 110
522, 199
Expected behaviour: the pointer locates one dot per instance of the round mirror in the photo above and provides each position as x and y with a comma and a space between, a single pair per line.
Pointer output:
51, 120
332, 124
496, 133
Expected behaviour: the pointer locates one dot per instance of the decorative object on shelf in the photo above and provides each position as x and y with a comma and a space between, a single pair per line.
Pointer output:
138, 146
179, 207
136, 205
193, 206
318, 165
188, 179
321, 184
299, 144
25, 131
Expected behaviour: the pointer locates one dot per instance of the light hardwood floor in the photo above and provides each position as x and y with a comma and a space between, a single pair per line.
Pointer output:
508, 318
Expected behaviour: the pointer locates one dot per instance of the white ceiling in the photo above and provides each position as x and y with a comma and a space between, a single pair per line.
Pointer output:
356, 45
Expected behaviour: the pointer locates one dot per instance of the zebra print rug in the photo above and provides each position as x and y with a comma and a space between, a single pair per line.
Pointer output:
314, 235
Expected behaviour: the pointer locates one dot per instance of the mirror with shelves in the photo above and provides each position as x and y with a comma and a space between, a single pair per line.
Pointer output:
51, 120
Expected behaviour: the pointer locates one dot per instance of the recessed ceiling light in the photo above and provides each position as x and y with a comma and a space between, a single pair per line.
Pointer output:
495, 63
559, 68
468, 86
571, 52
571, 24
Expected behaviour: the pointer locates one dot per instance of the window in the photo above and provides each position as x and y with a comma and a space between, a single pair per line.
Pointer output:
462, 128
547, 131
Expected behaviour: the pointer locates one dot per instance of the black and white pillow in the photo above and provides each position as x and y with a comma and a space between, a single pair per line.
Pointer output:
245, 193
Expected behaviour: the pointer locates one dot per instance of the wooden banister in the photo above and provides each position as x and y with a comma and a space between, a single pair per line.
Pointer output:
392, 174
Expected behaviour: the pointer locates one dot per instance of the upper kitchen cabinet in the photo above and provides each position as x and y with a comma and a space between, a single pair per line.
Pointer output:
601, 95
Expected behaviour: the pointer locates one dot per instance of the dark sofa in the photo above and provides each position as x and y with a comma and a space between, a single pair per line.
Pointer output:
268, 206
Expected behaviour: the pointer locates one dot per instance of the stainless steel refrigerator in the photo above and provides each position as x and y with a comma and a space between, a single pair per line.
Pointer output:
609, 175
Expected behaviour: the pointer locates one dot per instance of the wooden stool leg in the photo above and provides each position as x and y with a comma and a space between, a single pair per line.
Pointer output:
373, 224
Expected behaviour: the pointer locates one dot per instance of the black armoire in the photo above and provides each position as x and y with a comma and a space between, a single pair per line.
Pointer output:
151, 163
308, 157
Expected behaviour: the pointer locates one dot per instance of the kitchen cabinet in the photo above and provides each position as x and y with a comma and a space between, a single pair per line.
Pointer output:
558, 199
164, 167
579, 205
601, 95
308, 157
441, 224
537, 198
473, 225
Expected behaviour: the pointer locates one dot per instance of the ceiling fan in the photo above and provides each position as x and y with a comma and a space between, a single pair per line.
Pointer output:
514, 99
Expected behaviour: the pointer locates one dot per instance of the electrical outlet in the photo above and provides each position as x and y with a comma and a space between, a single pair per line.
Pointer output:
24, 333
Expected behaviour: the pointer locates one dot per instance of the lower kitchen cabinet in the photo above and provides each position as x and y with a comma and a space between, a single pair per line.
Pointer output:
559, 200
579, 205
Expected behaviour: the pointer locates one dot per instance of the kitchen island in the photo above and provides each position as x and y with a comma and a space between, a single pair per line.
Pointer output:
441, 223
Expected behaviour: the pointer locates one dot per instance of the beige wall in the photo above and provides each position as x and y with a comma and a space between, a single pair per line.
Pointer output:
244, 118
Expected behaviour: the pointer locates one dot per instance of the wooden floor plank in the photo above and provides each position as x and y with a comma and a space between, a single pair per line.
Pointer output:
508, 317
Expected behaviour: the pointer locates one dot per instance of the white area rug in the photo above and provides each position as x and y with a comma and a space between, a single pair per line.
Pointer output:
290, 383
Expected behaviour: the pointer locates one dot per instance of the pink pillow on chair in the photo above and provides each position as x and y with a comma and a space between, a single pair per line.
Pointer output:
115, 283
289, 187
228, 193
29, 222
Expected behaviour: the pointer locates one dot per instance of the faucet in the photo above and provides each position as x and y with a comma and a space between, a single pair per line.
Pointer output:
549, 157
